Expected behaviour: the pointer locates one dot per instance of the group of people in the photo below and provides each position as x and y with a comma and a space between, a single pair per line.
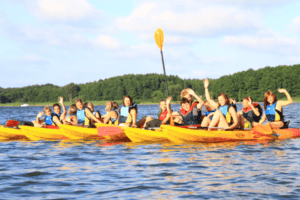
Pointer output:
219, 114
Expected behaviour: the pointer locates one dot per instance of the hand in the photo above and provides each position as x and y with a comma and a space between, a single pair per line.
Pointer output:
168, 101
191, 92
134, 126
40, 114
281, 90
206, 83
61, 100
250, 101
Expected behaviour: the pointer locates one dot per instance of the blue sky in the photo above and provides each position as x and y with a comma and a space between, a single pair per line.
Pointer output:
64, 41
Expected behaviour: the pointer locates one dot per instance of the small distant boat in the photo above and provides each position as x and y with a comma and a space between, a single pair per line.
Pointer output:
25, 105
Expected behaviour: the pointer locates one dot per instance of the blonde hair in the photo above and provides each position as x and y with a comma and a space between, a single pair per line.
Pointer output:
47, 108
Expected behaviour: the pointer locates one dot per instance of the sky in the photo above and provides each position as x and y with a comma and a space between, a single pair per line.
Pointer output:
80, 41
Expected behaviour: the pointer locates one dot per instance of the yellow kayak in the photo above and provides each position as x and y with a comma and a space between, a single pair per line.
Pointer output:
8, 133
183, 135
35, 133
143, 135
78, 133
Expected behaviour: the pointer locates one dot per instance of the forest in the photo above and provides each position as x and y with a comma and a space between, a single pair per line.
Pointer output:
152, 88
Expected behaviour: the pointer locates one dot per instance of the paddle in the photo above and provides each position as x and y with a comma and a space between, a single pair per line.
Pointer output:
159, 39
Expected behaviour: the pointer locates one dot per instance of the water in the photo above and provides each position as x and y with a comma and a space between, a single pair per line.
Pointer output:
95, 169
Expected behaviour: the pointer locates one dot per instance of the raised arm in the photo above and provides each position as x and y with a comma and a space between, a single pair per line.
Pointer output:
255, 110
61, 101
38, 120
199, 99
284, 103
207, 95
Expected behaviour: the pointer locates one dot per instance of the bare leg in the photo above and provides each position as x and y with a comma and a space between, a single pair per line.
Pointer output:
205, 122
218, 120
148, 119
275, 125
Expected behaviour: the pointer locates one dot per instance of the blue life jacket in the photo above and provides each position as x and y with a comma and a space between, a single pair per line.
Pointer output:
224, 110
81, 116
272, 114
208, 112
125, 112
49, 119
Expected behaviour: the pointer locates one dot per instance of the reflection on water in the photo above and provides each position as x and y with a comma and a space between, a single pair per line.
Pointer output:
100, 169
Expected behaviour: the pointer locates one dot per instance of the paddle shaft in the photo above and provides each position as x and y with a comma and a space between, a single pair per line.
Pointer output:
163, 63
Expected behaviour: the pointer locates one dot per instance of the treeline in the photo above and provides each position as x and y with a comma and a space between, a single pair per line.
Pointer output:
151, 87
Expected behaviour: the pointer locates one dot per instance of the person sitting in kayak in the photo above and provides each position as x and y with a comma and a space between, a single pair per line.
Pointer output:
187, 115
90, 121
57, 109
251, 113
210, 111
112, 114
273, 108
115, 105
190, 95
163, 116
51, 119
225, 115
72, 118
83, 112
128, 112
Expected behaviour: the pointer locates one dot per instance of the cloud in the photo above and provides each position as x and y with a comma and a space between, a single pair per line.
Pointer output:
32, 59
271, 43
65, 10
196, 19
107, 42
295, 26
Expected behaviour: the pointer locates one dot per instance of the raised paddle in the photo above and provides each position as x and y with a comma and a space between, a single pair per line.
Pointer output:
159, 39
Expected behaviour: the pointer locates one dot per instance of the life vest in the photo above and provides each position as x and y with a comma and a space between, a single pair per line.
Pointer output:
273, 114
192, 116
49, 119
162, 115
234, 106
81, 116
89, 121
224, 110
208, 112
125, 116
249, 115
112, 120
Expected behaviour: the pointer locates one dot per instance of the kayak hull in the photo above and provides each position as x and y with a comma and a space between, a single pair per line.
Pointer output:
183, 135
79, 133
37, 133
143, 135
8, 133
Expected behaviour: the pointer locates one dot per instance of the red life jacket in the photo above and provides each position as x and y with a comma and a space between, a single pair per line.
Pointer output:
249, 108
163, 115
184, 112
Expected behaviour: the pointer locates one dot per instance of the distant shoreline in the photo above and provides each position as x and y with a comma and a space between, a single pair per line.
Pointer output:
102, 103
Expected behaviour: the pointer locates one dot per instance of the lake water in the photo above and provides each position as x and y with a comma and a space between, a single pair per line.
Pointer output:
99, 170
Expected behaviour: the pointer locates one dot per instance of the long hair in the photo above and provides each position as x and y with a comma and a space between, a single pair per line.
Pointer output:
128, 98
266, 95
72, 109
225, 97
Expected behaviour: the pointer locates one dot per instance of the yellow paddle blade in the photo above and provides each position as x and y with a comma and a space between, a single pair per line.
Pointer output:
159, 38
